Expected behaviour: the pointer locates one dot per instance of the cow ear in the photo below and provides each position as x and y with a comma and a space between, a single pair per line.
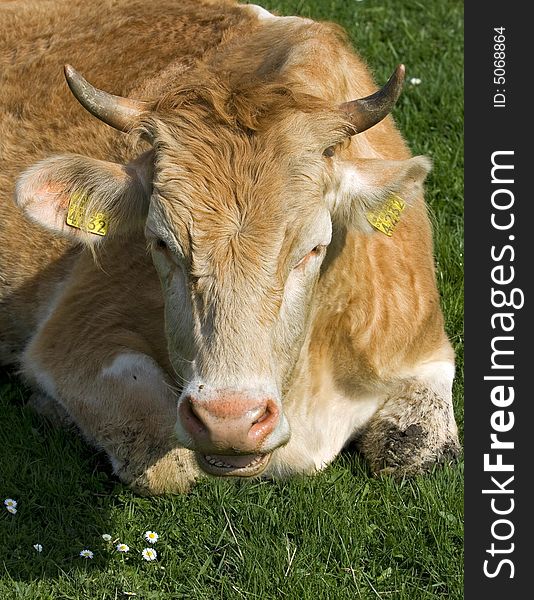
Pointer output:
85, 199
370, 194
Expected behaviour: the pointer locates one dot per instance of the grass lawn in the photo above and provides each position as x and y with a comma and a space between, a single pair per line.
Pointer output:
339, 535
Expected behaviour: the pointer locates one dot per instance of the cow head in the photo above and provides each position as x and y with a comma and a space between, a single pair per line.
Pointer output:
237, 198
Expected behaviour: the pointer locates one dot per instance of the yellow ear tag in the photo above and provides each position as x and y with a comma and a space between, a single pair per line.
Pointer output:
386, 217
97, 223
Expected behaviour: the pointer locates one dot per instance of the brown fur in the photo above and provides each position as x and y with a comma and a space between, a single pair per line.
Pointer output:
241, 111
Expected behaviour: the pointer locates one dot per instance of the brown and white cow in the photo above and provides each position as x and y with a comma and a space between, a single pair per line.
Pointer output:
268, 323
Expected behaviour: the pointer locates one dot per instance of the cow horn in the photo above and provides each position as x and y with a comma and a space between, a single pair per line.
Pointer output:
366, 112
120, 113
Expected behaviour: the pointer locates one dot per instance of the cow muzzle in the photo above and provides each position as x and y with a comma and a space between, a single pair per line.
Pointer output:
232, 434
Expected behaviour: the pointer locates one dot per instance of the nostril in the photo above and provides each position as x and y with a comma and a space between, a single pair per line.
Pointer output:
190, 419
266, 422
263, 417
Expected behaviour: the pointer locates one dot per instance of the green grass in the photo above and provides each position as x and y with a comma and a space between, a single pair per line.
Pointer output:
339, 535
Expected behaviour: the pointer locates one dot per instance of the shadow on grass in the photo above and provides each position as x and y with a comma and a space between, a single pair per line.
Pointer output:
64, 491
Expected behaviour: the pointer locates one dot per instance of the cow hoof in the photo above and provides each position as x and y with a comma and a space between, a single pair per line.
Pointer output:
410, 451
173, 473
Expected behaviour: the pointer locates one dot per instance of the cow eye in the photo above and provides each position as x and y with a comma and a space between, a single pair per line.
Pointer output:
160, 244
329, 152
311, 254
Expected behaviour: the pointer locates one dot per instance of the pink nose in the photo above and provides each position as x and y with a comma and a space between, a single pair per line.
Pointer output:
232, 423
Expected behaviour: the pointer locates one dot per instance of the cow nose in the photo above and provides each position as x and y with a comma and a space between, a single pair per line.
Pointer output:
230, 424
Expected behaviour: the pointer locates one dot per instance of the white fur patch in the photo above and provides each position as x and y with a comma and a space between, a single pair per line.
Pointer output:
265, 15
336, 423
137, 370
321, 427
261, 13
438, 375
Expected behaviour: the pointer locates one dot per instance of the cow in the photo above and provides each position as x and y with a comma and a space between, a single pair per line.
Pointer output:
216, 257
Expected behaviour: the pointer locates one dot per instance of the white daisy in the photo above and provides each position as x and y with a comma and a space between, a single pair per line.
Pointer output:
9, 502
415, 81
151, 536
86, 554
38, 547
149, 554
123, 548
106, 537
12, 510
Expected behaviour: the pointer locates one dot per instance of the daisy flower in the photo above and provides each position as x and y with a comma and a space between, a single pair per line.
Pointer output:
106, 537
12, 510
38, 547
86, 554
151, 536
415, 81
149, 554
123, 548
9, 502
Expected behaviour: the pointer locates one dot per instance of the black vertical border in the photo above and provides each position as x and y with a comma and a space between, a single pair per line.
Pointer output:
489, 129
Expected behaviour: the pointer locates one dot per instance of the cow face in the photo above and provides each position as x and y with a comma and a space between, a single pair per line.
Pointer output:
238, 216
238, 229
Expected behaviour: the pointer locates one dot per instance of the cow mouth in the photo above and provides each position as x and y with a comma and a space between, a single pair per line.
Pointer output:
223, 465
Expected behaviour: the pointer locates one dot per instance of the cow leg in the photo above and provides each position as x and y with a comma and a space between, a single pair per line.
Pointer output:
415, 428
125, 407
